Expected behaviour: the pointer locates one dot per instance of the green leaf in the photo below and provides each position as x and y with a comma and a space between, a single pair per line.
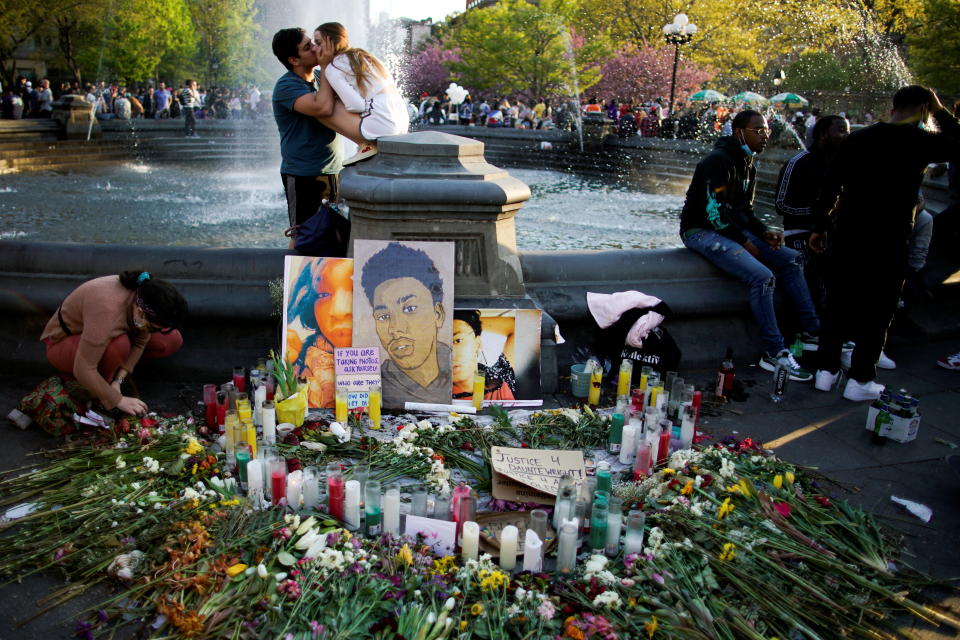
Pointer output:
286, 558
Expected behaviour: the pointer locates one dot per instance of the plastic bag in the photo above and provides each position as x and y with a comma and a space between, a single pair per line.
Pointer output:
294, 408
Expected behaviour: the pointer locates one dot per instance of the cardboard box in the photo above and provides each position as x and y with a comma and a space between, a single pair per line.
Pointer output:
900, 430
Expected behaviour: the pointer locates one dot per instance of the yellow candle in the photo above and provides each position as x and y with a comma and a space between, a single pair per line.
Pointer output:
596, 378
244, 411
653, 396
479, 388
341, 406
623, 380
252, 439
230, 422
373, 409
643, 382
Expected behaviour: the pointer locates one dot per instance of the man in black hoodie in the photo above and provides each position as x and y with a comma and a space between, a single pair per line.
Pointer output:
717, 222
867, 207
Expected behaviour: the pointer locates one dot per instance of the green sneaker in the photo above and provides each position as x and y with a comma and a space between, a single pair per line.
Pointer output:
797, 373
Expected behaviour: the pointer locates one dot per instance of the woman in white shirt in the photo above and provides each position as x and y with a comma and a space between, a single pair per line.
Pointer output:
369, 105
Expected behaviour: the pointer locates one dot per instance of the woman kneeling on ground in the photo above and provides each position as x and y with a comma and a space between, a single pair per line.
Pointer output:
106, 325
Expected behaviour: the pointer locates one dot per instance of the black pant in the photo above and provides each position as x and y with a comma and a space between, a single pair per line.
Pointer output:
306, 193
862, 294
813, 268
190, 121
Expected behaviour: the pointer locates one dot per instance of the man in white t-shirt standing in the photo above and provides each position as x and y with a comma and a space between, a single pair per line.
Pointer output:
253, 99
810, 123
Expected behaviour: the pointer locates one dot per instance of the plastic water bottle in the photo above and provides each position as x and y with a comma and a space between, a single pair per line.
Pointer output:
781, 375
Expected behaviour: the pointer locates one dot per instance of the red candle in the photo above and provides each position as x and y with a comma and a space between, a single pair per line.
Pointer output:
239, 379
636, 399
221, 413
696, 404
663, 449
278, 485
335, 490
641, 464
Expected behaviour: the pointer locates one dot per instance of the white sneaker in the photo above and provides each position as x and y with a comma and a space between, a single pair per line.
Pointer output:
885, 362
858, 391
825, 380
364, 152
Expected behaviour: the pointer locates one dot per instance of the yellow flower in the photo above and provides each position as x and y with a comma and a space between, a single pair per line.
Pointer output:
745, 487
236, 569
463, 625
631, 602
193, 447
405, 556
668, 471
729, 552
476, 609
444, 565
493, 580
651, 627
688, 488
734, 488
725, 509
790, 477
778, 481
194, 470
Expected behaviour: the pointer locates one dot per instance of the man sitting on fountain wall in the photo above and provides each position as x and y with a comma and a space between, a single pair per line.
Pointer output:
718, 222
311, 154
405, 290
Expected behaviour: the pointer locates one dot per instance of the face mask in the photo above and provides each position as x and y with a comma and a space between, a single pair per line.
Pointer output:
746, 149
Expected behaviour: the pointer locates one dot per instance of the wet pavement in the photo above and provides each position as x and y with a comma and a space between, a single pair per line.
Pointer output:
818, 430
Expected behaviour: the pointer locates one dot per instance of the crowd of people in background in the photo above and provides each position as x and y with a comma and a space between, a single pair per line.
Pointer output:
28, 99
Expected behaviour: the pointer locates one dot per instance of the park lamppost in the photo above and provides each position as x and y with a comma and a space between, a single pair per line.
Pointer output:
678, 32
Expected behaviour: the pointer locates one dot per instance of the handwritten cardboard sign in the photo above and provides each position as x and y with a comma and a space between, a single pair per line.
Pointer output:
532, 475
357, 369
441, 535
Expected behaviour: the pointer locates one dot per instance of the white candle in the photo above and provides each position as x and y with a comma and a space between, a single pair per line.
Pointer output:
391, 511
633, 543
254, 476
294, 489
259, 397
351, 508
269, 416
567, 547
311, 488
471, 540
628, 445
532, 552
508, 547
653, 437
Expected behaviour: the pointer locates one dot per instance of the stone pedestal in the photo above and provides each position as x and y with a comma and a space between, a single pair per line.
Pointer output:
74, 114
435, 186
438, 187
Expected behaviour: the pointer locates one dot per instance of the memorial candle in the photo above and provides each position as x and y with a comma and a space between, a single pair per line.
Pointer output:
636, 401
418, 501
269, 415
466, 512
566, 480
538, 524
567, 547
697, 399
250, 435
361, 472
340, 404
335, 490
351, 508
210, 404
604, 476
441, 507
596, 381
374, 398
311, 488
508, 547
624, 377
391, 510
278, 482
373, 512
532, 551
470, 540
641, 464
255, 483
633, 543
629, 443
614, 522
615, 437
479, 388
221, 410
687, 422
598, 526
663, 448
259, 399
458, 492
653, 437
243, 459
294, 489
239, 379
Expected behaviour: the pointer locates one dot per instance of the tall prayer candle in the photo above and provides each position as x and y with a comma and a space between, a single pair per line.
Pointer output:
604, 476
479, 388
351, 509
243, 459
269, 415
250, 435
458, 492
598, 526
651, 418
340, 404
335, 490
566, 480
466, 511
373, 512
361, 473
374, 399
629, 444
663, 448
633, 543
508, 547
567, 547
239, 379
614, 522
687, 422
210, 404
311, 488
255, 483
471, 540
624, 377
641, 464
596, 381
391, 510
294, 489
532, 552
259, 399
418, 501
278, 483
615, 437
538, 524
441, 506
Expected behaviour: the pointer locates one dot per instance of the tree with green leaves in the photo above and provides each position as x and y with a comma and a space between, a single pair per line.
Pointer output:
228, 50
934, 50
21, 20
515, 47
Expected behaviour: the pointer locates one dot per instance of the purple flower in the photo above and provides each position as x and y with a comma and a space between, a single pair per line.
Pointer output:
129, 541
332, 538
83, 630
316, 629
356, 568
102, 615
356, 543
657, 578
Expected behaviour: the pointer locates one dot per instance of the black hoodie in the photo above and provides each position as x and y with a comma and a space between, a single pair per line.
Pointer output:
720, 197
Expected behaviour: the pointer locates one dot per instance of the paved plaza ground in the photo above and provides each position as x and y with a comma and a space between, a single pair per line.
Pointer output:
818, 430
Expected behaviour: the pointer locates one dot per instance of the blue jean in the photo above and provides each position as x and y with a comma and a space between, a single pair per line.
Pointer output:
761, 274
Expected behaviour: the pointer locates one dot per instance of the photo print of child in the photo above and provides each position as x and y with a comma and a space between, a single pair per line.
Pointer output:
317, 317
504, 345
403, 304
